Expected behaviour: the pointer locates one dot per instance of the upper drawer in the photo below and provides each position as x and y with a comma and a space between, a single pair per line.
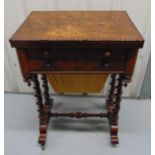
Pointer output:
107, 60
41, 54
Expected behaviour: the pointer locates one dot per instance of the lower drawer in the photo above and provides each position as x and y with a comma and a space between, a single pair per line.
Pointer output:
77, 65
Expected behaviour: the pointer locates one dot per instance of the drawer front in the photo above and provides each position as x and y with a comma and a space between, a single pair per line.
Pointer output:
76, 61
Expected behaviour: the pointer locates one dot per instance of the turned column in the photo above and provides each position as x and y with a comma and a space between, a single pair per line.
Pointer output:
47, 101
38, 93
110, 100
46, 112
113, 105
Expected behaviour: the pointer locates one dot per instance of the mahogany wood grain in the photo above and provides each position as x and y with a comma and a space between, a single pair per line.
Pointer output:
23, 62
131, 61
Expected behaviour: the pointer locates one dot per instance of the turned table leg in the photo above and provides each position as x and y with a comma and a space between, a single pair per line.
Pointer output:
113, 105
44, 118
38, 95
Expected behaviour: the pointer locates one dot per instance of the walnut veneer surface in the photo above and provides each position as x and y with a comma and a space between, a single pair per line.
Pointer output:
79, 26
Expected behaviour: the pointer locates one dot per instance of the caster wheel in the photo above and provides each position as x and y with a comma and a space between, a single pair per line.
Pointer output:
84, 94
114, 140
43, 146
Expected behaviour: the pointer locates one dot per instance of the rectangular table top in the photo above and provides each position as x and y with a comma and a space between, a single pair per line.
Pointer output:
80, 26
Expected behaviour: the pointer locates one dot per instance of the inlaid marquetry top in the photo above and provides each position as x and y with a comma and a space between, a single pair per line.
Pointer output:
105, 26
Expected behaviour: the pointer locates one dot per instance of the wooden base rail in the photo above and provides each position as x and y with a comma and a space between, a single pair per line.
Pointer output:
78, 114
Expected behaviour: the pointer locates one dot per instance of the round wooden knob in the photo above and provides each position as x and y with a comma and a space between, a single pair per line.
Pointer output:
105, 64
107, 54
46, 54
48, 65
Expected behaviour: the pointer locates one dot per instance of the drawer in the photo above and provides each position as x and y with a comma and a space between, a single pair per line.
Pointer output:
76, 61
41, 54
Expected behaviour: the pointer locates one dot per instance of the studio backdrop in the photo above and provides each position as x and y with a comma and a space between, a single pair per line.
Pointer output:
17, 10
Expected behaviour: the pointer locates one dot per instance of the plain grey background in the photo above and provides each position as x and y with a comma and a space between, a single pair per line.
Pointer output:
146, 89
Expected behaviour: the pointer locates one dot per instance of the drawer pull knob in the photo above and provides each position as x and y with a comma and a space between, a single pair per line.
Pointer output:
105, 64
48, 65
107, 54
46, 54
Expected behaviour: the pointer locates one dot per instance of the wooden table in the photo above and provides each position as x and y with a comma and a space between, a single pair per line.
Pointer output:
58, 42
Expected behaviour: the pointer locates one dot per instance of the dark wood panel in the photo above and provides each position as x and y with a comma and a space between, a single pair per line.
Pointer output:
41, 54
23, 62
130, 63
107, 60
76, 65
